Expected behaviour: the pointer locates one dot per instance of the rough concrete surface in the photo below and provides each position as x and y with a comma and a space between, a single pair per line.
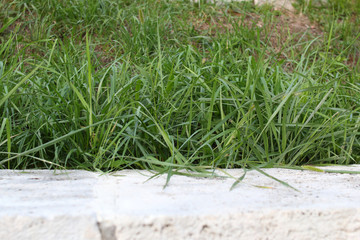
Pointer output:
83, 205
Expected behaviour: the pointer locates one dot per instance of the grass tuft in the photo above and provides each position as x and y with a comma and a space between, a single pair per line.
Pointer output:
172, 85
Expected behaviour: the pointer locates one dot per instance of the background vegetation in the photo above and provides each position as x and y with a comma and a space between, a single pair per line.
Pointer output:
169, 85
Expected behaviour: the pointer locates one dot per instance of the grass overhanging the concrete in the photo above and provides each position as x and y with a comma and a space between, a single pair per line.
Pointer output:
173, 85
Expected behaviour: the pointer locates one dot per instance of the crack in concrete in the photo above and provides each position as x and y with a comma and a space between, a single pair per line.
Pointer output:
107, 232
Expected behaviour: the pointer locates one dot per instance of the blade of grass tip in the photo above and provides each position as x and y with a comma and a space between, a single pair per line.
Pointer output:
272, 177
52, 51
89, 82
204, 174
238, 180
169, 174
212, 103
224, 172
328, 46
198, 175
80, 96
155, 175
312, 168
2, 127
2, 101
152, 160
160, 61
8, 134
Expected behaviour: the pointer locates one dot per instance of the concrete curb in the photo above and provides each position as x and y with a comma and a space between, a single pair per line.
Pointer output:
84, 205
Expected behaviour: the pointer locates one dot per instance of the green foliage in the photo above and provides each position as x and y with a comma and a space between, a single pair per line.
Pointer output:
168, 85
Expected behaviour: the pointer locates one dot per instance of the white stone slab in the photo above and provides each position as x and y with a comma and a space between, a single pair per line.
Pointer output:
85, 205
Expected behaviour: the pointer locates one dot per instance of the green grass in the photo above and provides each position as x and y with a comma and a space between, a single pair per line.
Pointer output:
169, 85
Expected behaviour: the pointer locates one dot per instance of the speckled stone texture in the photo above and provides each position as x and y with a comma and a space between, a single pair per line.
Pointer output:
83, 205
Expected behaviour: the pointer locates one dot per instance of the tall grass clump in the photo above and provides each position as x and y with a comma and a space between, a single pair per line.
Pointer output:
168, 85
